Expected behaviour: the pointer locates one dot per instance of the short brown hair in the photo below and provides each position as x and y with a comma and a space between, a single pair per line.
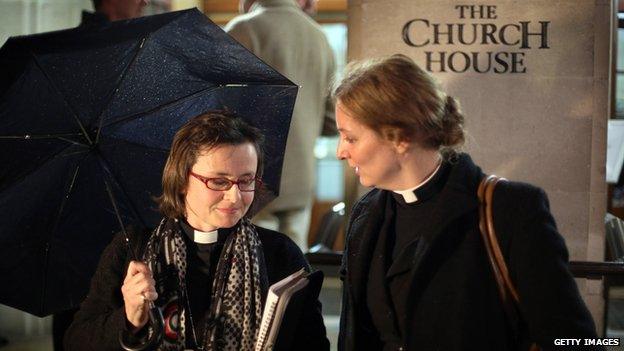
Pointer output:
201, 133
399, 100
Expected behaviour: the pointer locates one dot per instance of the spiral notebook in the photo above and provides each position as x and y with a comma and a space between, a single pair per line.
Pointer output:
278, 297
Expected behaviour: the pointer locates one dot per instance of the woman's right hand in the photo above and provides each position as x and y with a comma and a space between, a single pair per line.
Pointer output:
138, 287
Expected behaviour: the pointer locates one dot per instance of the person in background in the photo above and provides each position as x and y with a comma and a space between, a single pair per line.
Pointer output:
205, 266
415, 268
308, 6
113, 10
282, 35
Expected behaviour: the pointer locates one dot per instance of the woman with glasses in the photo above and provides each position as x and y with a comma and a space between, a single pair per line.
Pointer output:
207, 267
416, 270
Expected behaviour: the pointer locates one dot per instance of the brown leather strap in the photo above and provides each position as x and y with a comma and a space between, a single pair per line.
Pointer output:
506, 287
484, 229
496, 250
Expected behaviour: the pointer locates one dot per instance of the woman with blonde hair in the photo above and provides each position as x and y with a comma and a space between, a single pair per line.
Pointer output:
415, 269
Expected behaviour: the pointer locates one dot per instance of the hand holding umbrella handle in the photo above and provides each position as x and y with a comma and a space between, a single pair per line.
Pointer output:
139, 295
156, 320
157, 324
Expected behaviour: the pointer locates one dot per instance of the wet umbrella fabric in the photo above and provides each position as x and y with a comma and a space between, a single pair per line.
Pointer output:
89, 114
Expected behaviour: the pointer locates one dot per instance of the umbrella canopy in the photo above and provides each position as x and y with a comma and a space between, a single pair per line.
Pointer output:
88, 115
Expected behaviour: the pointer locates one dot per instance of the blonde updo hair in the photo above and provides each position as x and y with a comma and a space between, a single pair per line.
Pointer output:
400, 101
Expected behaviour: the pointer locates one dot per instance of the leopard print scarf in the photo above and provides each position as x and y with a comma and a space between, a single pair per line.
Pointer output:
237, 290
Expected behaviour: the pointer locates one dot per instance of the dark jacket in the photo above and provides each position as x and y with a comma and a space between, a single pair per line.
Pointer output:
92, 20
101, 317
452, 298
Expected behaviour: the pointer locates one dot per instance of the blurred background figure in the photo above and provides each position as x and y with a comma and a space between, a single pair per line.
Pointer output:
113, 10
308, 6
282, 35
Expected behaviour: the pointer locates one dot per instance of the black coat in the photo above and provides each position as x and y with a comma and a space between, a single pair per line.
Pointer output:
101, 317
452, 298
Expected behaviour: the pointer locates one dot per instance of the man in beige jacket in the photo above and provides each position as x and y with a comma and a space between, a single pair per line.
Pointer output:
282, 35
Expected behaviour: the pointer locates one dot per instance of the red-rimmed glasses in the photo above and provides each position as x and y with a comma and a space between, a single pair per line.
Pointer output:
245, 184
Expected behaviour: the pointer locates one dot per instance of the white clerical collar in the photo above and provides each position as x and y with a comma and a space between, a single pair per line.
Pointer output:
409, 195
205, 237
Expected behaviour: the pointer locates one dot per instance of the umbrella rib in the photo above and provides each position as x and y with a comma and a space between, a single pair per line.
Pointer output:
62, 137
60, 154
74, 114
73, 142
161, 107
41, 136
118, 85
121, 224
257, 84
54, 228
105, 166
51, 157
44, 279
66, 197
189, 96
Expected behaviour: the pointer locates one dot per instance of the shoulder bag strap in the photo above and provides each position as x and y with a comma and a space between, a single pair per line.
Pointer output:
486, 226
508, 292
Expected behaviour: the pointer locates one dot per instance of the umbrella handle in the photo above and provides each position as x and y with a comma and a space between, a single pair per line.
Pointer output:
157, 323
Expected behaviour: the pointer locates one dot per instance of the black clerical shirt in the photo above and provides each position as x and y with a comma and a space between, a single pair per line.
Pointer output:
396, 249
202, 262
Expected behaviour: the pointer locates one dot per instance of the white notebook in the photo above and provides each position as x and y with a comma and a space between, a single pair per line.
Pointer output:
276, 302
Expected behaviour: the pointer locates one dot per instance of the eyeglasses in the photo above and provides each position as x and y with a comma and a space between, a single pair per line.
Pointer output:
223, 184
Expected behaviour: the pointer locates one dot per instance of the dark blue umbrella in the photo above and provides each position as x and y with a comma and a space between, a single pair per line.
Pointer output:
87, 117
